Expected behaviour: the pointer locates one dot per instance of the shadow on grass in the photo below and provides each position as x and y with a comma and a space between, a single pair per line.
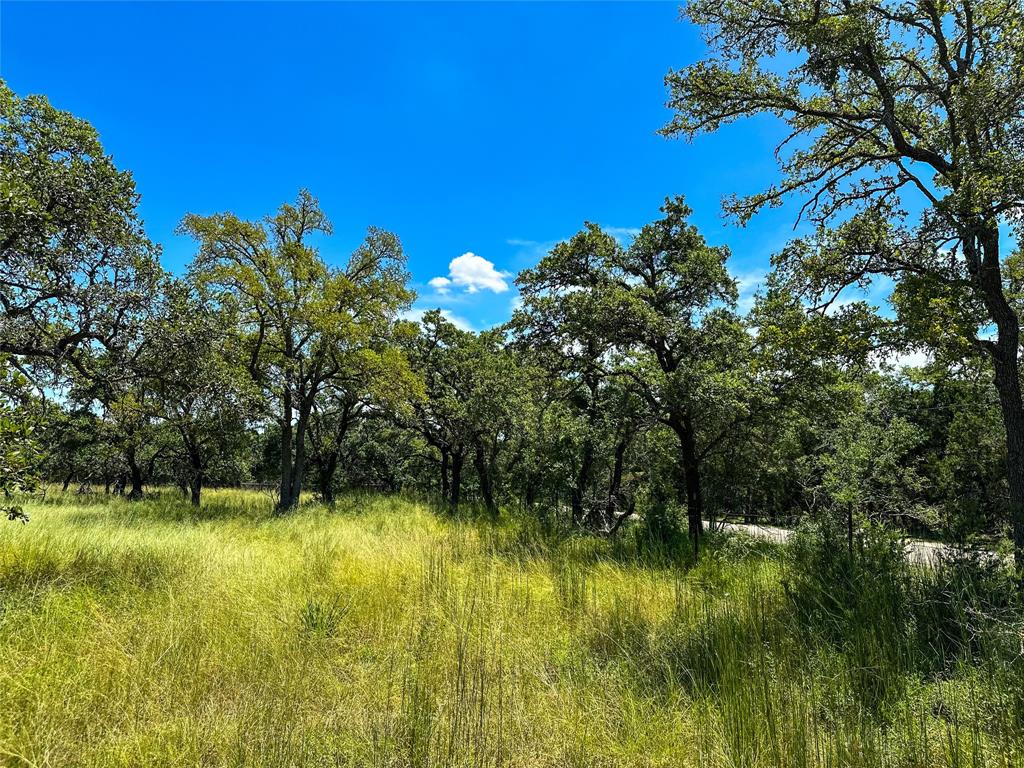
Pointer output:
143, 513
520, 535
219, 505
38, 567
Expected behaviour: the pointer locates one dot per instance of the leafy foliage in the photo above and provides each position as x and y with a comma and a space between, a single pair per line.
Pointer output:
75, 265
888, 104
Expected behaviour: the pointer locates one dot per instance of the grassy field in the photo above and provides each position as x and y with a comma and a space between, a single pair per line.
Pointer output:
379, 633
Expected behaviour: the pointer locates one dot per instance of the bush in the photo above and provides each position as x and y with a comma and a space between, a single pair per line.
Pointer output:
659, 537
836, 588
855, 599
967, 606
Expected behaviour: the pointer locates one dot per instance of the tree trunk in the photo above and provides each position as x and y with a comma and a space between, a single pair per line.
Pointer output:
327, 458
579, 491
285, 502
67, 481
986, 270
445, 464
328, 468
531, 491
136, 477
456, 490
1008, 385
136, 492
299, 465
196, 488
612, 506
484, 474
688, 481
585, 474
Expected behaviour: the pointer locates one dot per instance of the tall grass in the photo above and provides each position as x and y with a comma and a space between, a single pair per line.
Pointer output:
380, 633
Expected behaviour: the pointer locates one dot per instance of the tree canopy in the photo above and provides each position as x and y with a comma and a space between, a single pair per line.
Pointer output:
891, 108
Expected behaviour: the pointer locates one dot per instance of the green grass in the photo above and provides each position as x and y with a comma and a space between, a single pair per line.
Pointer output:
379, 633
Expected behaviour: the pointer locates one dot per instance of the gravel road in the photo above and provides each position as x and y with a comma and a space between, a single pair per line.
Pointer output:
919, 552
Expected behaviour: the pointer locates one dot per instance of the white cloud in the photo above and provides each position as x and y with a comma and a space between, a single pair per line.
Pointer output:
416, 315
917, 358
474, 273
440, 284
747, 285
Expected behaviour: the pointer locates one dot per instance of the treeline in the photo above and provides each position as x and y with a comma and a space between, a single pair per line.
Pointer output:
627, 386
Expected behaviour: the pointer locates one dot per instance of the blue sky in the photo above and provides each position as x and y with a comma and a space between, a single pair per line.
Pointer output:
489, 129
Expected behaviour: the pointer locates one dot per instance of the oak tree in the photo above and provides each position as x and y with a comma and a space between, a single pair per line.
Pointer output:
904, 124
304, 318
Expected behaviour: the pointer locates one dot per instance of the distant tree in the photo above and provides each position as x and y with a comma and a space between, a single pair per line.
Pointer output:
961, 455
70, 435
440, 354
375, 384
304, 319
661, 305
887, 103
536, 469
801, 372
872, 461
591, 419
115, 383
474, 395
496, 402
967, 456
130, 425
78, 447
382, 454
331, 426
195, 368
